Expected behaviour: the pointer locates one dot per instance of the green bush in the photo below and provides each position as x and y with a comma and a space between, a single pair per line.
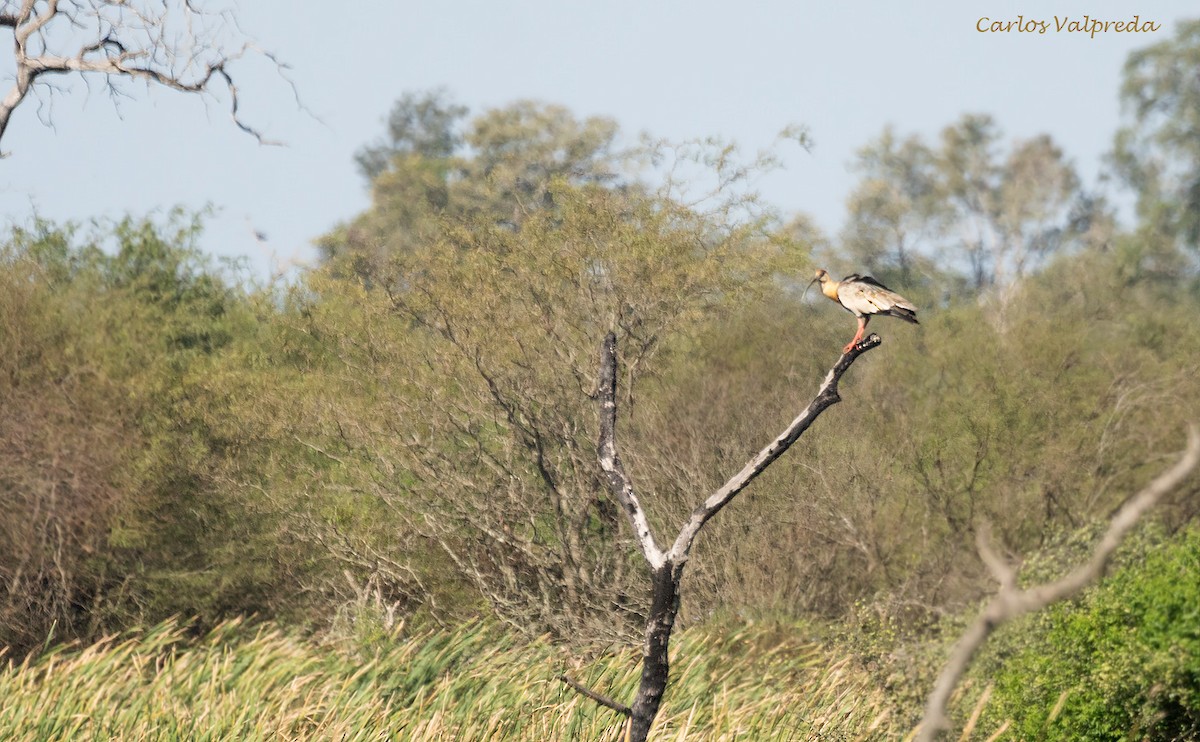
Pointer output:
1123, 662
128, 452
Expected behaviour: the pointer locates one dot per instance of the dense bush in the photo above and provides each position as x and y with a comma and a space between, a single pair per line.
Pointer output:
120, 420
1122, 662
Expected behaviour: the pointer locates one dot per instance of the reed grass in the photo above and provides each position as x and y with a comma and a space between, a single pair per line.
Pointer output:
263, 683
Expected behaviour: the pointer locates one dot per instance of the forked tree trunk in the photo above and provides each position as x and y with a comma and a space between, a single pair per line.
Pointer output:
667, 567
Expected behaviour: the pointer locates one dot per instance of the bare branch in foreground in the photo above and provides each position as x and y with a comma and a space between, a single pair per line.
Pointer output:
1011, 602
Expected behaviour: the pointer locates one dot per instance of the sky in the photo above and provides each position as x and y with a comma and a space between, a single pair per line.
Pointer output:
677, 70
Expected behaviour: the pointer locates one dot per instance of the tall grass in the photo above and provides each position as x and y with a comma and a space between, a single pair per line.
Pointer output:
240, 683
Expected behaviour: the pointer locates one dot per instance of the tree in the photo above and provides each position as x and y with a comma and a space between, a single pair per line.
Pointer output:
422, 124
1157, 153
131, 434
499, 167
469, 378
170, 43
60, 475
969, 207
667, 566
894, 209
1008, 214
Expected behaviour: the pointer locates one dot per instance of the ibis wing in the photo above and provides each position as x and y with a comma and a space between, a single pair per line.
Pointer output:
864, 298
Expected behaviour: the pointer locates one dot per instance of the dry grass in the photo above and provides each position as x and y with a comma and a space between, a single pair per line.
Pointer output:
237, 683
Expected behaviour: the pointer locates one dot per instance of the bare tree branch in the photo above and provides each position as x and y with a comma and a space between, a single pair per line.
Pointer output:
1011, 602
610, 462
827, 395
171, 43
599, 698
667, 569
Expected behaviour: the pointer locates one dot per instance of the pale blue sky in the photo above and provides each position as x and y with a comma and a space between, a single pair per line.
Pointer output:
674, 69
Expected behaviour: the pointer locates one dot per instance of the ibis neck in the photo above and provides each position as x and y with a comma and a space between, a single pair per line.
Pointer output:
829, 288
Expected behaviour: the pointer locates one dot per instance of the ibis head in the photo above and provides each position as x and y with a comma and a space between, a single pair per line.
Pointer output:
829, 287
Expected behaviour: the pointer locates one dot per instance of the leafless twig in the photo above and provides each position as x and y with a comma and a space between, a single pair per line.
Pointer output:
599, 698
170, 43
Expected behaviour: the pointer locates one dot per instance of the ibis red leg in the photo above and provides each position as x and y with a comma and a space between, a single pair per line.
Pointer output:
862, 327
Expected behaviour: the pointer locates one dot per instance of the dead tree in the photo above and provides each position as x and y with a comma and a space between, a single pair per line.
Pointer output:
1011, 602
170, 43
667, 566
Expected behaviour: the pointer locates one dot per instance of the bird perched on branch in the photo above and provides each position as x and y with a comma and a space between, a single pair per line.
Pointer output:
864, 297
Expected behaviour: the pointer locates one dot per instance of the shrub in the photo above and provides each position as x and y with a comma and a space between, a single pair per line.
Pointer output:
1122, 662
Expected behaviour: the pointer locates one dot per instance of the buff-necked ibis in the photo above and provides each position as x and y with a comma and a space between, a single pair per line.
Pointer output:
864, 297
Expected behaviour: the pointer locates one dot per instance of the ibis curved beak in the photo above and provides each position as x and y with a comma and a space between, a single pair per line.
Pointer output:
809, 286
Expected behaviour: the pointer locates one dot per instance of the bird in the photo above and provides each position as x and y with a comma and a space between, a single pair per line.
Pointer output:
864, 297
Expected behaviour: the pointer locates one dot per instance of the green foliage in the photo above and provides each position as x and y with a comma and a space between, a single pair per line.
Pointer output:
1034, 405
1122, 662
117, 434
497, 169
